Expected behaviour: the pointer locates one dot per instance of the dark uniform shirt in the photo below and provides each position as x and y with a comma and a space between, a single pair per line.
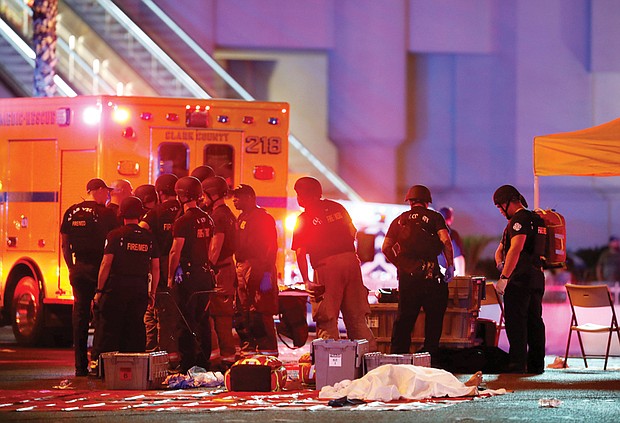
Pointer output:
87, 224
256, 235
324, 231
416, 233
133, 248
196, 227
522, 223
160, 220
225, 223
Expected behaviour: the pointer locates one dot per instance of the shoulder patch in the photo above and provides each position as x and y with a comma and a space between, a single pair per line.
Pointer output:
517, 227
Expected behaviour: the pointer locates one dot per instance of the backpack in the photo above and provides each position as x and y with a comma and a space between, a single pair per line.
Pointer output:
550, 242
85, 234
416, 240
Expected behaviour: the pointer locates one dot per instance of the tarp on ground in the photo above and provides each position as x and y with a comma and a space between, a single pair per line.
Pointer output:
588, 152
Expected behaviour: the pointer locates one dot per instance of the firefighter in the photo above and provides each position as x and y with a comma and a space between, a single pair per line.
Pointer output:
190, 276
148, 195
159, 220
83, 231
325, 232
257, 292
131, 254
522, 282
412, 243
221, 253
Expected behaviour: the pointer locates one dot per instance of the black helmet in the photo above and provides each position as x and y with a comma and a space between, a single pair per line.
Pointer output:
188, 188
420, 193
244, 189
309, 186
215, 186
131, 208
203, 172
146, 193
165, 183
506, 193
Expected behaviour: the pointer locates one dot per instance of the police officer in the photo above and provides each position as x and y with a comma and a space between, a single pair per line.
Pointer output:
221, 252
412, 243
159, 221
83, 231
131, 254
148, 195
522, 282
257, 249
326, 234
202, 172
189, 259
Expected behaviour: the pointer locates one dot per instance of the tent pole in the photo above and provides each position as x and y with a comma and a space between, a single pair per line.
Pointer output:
536, 193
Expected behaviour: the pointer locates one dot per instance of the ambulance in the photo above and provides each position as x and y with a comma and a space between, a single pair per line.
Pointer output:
51, 147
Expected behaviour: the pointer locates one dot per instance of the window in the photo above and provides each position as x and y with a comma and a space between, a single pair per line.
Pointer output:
173, 158
221, 159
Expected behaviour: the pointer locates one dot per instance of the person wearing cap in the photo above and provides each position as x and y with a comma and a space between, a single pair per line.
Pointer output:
257, 291
608, 263
131, 255
83, 232
120, 189
522, 282
412, 243
457, 243
159, 220
325, 234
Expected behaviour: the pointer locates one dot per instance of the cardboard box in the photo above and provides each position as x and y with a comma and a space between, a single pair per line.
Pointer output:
135, 370
337, 360
375, 359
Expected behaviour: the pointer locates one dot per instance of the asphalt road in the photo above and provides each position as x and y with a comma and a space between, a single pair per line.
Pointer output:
584, 394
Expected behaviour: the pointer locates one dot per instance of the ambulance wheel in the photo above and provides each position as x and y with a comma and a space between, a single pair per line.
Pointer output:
27, 312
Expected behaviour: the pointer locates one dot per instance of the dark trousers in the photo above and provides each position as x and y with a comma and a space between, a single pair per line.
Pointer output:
83, 278
151, 317
525, 328
121, 315
416, 294
194, 326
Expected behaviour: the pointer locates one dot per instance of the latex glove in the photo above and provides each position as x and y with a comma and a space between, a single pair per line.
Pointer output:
500, 286
449, 273
265, 282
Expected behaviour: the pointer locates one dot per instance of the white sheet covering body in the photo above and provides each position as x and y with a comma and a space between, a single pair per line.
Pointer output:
394, 381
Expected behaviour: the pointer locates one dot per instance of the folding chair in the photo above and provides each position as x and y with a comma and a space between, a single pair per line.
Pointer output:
492, 297
590, 296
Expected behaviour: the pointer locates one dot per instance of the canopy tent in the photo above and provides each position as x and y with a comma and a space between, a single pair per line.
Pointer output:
588, 152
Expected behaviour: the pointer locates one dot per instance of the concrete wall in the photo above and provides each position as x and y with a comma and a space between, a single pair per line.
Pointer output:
449, 93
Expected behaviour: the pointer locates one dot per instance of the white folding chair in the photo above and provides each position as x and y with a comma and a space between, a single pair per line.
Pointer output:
591, 296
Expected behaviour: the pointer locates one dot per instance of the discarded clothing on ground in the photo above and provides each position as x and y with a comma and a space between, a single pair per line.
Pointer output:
196, 377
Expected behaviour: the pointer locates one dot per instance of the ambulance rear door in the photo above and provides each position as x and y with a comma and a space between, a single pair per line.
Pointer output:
179, 151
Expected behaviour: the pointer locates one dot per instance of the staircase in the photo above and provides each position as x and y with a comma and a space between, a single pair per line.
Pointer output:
136, 48
16, 70
133, 60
